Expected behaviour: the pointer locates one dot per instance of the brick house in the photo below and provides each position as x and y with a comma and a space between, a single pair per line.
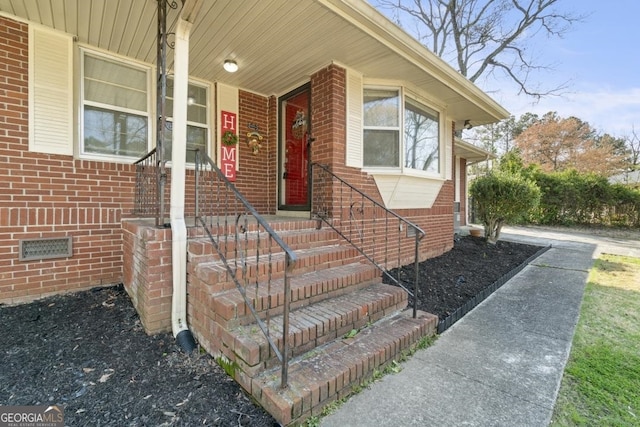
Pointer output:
318, 81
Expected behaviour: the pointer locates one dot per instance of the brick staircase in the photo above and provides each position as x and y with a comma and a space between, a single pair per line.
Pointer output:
333, 294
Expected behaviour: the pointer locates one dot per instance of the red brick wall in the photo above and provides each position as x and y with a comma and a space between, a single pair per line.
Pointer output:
256, 177
45, 195
328, 115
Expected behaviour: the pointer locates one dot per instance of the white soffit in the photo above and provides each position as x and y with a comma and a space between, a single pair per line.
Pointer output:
274, 42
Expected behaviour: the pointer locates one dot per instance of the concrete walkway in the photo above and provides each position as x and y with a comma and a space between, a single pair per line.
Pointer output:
501, 365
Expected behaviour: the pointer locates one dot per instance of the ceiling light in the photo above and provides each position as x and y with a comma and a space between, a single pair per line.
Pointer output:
230, 65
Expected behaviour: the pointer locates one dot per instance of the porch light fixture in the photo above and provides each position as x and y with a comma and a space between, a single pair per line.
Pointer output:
230, 65
467, 124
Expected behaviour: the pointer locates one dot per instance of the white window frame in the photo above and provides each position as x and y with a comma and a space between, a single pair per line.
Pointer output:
402, 169
399, 128
206, 126
82, 103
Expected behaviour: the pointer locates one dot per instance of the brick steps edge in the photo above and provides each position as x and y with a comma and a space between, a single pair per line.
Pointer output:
332, 371
313, 326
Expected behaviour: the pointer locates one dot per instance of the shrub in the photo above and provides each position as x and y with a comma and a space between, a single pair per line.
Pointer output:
502, 197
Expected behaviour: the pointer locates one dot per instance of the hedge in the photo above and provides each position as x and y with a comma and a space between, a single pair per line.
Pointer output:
572, 198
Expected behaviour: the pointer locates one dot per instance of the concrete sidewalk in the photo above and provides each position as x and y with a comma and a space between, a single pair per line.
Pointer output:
501, 365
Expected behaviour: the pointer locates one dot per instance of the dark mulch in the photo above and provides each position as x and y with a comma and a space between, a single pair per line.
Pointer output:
447, 282
88, 351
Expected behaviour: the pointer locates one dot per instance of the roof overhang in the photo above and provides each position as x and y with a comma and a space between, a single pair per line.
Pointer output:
470, 152
277, 44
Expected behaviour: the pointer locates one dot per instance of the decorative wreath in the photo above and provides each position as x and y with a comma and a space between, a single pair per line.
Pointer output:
299, 126
229, 138
254, 141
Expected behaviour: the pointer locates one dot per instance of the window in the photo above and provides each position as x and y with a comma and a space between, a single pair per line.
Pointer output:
381, 128
197, 120
383, 141
421, 137
115, 108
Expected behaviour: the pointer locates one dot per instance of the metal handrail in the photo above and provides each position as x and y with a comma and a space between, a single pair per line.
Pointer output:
204, 162
149, 188
150, 184
363, 224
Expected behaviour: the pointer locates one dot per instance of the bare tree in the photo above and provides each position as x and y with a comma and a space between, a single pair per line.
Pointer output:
498, 138
480, 37
633, 147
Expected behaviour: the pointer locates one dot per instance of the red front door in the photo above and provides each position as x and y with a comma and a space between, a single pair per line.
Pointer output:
294, 149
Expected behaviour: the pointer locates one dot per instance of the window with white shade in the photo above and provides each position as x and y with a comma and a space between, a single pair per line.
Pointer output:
197, 120
381, 119
115, 108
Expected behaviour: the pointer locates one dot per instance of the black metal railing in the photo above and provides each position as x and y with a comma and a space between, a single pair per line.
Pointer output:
377, 233
149, 188
252, 252
151, 191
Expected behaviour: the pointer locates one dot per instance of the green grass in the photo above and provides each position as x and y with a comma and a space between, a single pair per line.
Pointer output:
601, 383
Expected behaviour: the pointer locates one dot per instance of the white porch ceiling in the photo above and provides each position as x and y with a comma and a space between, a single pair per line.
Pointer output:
277, 44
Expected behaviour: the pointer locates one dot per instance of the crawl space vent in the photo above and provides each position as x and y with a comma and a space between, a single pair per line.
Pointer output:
56, 247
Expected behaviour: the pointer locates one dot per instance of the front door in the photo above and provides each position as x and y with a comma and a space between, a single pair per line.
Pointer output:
294, 149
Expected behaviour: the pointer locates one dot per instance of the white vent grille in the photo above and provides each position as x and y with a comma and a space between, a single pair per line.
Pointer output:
35, 249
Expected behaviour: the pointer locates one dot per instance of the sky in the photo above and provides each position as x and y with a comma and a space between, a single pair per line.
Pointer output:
600, 60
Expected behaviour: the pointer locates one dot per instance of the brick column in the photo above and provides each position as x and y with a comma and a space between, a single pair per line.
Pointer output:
148, 274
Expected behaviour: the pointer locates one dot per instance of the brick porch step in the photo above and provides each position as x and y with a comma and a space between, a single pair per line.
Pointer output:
334, 369
312, 326
308, 288
279, 225
214, 274
201, 249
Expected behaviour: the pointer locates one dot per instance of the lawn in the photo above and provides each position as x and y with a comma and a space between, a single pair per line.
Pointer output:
602, 378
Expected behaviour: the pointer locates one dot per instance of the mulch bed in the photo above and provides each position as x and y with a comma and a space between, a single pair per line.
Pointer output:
88, 352
448, 282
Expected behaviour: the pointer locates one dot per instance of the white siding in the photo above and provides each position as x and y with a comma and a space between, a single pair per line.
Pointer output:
50, 92
227, 99
354, 120
407, 192
456, 160
448, 149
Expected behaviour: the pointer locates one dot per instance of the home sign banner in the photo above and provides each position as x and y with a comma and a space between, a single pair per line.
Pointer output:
229, 145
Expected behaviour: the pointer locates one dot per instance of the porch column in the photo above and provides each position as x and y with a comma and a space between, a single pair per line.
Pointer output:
178, 171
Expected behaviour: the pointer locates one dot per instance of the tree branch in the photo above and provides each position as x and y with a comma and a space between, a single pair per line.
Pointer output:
479, 36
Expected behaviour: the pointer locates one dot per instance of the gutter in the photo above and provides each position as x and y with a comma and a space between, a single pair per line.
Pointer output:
179, 327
